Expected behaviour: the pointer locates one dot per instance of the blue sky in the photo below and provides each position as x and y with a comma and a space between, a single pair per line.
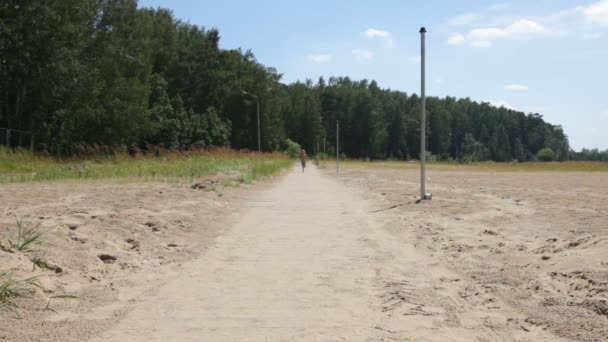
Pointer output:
545, 56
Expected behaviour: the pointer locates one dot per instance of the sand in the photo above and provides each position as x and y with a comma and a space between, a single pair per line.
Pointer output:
150, 228
315, 257
532, 242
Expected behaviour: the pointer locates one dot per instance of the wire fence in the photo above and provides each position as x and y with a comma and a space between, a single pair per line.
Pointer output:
14, 138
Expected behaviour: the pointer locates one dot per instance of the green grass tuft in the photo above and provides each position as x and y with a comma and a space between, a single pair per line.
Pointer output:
11, 288
28, 236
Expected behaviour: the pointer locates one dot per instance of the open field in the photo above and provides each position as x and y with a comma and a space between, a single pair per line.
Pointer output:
496, 255
519, 237
111, 233
574, 166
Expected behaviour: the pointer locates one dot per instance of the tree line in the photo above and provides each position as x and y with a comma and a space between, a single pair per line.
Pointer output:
83, 72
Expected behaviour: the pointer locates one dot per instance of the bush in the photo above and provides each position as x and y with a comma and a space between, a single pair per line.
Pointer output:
293, 148
431, 157
546, 155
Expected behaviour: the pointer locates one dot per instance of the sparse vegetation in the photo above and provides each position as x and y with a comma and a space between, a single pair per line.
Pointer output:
43, 264
48, 304
38, 261
11, 287
29, 234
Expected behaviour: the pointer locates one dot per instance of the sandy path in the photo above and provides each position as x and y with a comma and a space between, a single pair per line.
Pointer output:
309, 262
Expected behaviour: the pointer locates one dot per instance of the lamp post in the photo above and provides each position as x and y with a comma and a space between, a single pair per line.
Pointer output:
324, 148
337, 146
423, 194
257, 101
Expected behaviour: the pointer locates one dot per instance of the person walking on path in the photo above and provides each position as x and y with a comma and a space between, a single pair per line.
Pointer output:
303, 157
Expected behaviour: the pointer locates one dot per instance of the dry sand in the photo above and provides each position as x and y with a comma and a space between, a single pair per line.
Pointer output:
151, 229
493, 257
531, 243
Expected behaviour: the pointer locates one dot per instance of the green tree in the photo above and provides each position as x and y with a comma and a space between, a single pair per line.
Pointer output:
473, 150
80, 72
546, 154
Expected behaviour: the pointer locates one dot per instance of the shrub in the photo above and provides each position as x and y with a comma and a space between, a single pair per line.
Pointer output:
293, 149
546, 155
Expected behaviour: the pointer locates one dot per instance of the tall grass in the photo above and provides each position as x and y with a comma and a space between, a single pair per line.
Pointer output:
22, 166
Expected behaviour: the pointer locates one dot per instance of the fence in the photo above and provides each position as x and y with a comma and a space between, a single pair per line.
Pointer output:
16, 138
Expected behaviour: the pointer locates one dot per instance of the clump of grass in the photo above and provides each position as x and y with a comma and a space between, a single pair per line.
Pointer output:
38, 261
28, 236
11, 287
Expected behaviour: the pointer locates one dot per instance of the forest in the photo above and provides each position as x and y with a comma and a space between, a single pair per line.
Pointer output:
80, 73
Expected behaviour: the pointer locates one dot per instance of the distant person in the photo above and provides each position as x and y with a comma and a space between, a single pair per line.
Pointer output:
303, 157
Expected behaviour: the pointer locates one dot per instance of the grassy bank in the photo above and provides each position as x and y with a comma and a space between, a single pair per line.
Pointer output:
569, 166
22, 166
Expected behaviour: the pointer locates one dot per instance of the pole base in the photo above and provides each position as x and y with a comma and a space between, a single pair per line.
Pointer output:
427, 197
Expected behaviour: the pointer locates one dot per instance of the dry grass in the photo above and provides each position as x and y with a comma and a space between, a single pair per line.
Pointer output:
158, 165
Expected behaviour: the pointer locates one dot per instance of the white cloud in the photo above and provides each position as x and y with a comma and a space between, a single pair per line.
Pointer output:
439, 81
416, 59
503, 27
456, 39
481, 43
375, 33
605, 114
362, 54
516, 87
596, 13
500, 103
464, 19
320, 58
520, 29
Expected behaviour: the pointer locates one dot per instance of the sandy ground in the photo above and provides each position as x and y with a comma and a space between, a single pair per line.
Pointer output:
531, 243
150, 228
493, 257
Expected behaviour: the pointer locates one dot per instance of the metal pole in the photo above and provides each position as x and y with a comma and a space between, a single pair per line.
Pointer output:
337, 146
257, 102
423, 194
323, 148
258, 111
